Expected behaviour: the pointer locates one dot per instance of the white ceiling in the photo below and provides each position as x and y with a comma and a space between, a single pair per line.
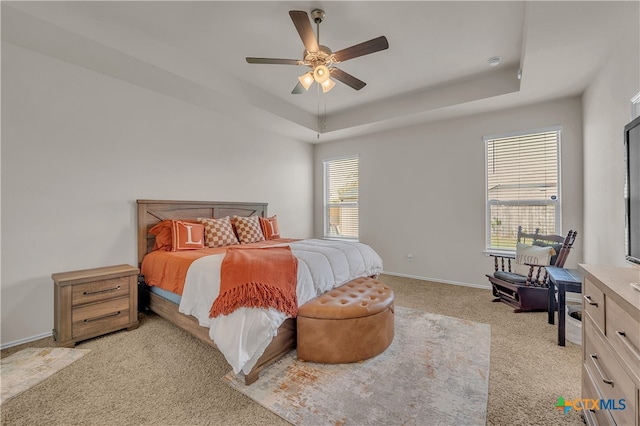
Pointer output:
436, 65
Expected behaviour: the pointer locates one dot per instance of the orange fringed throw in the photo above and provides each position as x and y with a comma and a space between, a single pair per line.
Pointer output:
257, 278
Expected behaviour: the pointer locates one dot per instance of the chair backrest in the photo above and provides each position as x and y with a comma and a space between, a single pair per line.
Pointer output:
558, 241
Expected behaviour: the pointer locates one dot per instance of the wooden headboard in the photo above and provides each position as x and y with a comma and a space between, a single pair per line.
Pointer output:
151, 212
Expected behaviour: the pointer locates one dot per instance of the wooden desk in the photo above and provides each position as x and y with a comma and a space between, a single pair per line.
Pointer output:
564, 280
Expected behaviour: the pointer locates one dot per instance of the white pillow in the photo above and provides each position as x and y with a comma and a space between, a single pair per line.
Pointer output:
531, 254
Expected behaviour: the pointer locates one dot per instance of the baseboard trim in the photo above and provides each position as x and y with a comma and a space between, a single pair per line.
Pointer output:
26, 340
438, 280
395, 274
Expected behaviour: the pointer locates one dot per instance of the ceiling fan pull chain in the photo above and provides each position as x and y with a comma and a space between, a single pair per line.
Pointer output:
324, 128
319, 122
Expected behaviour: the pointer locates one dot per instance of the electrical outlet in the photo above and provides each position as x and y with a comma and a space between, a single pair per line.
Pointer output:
410, 257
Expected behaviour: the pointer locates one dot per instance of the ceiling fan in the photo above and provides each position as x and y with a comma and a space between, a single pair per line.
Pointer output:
320, 58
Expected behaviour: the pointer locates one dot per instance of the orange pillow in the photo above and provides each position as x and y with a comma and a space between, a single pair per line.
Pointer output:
162, 231
269, 227
186, 235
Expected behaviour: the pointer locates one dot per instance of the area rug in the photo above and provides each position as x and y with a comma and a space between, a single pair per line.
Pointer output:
30, 366
435, 372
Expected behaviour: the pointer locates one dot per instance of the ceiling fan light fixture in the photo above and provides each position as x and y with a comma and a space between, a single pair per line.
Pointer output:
327, 85
306, 80
321, 74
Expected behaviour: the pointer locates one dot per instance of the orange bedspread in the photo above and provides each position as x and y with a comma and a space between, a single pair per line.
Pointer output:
168, 269
257, 278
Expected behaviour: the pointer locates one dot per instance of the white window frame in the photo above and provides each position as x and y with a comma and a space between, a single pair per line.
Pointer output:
558, 202
635, 106
327, 204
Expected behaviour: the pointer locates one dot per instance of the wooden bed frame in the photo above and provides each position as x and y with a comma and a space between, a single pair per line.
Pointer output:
151, 212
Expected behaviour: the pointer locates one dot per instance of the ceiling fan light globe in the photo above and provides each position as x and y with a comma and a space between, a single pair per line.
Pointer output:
327, 85
306, 80
321, 74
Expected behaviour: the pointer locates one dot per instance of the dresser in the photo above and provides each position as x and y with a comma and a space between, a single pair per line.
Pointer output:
611, 345
93, 302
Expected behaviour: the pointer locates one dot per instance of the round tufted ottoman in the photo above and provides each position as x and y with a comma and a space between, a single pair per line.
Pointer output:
350, 323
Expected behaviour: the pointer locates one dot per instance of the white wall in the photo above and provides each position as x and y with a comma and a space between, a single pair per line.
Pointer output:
78, 148
422, 189
607, 108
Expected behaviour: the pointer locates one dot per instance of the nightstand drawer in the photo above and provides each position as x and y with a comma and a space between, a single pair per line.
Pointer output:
593, 304
99, 290
98, 317
609, 377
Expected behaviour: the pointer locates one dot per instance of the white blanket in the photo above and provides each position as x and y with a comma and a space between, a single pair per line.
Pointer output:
244, 335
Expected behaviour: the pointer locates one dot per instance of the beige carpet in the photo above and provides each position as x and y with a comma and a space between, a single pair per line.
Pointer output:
159, 375
30, 366
436, 368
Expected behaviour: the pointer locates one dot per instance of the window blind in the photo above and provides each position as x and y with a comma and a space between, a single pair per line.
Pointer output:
522, 186
341, 198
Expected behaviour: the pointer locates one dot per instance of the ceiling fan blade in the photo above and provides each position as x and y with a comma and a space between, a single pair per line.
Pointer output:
298, 89
303, 25
274, 61
364, 48
347, 79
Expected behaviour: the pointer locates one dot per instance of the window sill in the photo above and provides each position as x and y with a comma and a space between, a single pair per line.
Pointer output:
340, 239
500, 253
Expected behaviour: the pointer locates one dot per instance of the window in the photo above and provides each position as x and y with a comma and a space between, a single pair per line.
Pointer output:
522, 186
341, 198
635, 106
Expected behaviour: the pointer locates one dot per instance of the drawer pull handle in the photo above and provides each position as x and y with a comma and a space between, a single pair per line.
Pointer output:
115, 314
589, 301
623, 336
594, 357
87, 293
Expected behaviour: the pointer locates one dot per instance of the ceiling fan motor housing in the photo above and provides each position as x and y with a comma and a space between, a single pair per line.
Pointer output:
321, 57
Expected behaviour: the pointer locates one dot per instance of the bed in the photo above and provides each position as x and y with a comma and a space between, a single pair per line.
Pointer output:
279, 336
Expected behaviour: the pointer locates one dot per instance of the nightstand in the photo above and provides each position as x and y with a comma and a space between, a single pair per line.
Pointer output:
93, 302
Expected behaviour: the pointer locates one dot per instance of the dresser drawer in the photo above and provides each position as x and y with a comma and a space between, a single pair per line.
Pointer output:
99, 290
593, 304
590, 393
623, 332
100, 317
609, 377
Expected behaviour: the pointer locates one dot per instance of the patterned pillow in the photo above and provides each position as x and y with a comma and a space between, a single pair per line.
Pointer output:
531, 254
269, 227
248, 229
186, 236
218, 232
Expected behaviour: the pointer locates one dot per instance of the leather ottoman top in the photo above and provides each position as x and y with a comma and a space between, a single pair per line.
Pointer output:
358, 298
